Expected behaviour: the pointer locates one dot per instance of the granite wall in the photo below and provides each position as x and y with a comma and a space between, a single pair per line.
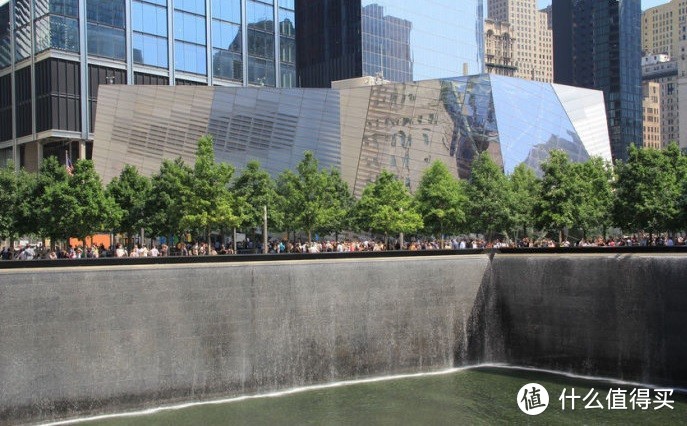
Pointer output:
92, 339
97, 339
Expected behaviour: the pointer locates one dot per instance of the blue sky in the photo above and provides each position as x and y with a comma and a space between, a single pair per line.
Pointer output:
645, 3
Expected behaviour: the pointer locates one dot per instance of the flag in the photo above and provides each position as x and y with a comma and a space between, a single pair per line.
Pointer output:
68, 164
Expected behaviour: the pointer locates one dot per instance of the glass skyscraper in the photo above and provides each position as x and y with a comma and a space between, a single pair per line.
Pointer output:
398, 40
597, 44
54, 54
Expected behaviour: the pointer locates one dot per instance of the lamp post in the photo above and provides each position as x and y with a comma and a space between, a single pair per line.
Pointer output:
264, 230
400, 237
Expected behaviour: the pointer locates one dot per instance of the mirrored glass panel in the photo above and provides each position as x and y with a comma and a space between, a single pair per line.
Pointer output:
409, 40
57, 32
530, 130
261, 72
106, 12
227, 65
57, 7
227, 10
188, 27
150, 50
193, 6
5, 36
106, 41
189, 57
148, 18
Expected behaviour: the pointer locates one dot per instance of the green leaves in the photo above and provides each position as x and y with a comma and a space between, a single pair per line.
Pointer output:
491, 199
257, 188
387, 207
130, 191
209, 204
650, 190
441, 200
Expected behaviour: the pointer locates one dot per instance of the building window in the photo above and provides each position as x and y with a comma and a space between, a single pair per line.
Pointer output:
149, 24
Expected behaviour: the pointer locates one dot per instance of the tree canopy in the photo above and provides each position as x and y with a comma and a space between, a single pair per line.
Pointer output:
649, 189
209, 203
490, 197
386, 207
441, 200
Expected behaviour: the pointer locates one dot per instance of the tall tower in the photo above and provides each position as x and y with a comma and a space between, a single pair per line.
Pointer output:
664, 44
397, 40
605, 54
533, 51
55, 54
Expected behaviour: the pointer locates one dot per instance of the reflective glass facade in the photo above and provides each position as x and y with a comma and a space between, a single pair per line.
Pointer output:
401, 40
57, 25
604, 39
106, 23
190, 36
5, 37
227, 57
407, 40
400, 127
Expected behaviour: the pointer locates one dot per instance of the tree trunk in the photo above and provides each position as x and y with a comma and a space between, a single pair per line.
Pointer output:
233, 239
207, 239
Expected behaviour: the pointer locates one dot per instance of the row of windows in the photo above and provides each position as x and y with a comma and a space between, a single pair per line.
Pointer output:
58, 28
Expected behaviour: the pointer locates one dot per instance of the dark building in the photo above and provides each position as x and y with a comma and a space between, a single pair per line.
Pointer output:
61, 51
597, 44
399, 40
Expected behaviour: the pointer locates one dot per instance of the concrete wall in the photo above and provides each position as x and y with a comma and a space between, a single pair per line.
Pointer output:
109, 338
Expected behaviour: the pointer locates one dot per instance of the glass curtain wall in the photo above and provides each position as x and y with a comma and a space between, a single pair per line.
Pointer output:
227, 59
408, 40
5, 36
106, 28
260, 24
287, 43
22, 29
149, 25
57, 25
190, 36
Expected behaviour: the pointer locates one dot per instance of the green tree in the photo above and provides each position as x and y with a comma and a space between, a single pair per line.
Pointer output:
257, 188
340, 202
555, 206
490, 197
53, 202
593, 194
386, 207
525, 189
94, 210
209, 205
288, 199
648, 190
441, 200
167, 202
130, 191
678, 164
15, 199
309, 203
8, 199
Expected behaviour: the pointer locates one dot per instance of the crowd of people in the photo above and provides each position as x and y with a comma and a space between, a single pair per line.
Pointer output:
29, 251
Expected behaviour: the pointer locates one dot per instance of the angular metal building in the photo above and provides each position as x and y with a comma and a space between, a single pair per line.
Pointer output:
400, 127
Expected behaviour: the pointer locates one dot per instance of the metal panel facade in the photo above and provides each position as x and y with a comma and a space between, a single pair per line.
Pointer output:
400, 127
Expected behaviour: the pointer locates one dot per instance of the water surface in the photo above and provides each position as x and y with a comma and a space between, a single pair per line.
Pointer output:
485, 395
